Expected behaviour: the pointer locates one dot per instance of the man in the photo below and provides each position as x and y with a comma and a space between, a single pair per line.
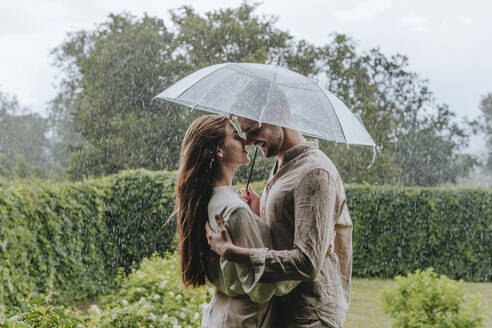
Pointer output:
304, 205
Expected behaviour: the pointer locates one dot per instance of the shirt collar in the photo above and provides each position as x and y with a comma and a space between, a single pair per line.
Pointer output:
298, 150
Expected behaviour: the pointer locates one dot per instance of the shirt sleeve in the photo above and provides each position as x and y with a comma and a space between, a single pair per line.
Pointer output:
316, 207
241, 279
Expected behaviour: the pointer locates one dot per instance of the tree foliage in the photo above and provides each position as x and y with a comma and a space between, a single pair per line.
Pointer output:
22, 133
110, 75
486, 109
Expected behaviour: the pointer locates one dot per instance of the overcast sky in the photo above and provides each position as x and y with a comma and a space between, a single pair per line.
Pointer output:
447, 42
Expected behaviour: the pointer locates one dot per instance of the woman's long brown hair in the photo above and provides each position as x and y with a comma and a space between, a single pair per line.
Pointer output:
198, 168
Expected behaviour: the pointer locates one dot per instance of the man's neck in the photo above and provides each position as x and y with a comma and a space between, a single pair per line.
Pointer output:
292, 138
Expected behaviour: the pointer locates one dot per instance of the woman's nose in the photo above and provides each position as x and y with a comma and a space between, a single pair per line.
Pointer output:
247, 141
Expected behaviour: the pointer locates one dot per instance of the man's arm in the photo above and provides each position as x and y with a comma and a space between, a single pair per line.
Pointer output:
316, 208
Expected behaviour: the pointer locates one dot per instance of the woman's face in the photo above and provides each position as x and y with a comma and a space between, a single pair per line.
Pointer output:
233, 151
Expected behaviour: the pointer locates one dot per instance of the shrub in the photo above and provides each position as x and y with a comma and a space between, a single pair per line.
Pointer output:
51, 234
400, 230
152, 296
40, 312
424, 299
136, 204
77, 235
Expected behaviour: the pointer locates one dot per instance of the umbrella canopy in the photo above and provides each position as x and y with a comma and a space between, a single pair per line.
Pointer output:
270, 94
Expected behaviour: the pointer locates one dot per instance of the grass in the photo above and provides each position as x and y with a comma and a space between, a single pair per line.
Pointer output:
366, 307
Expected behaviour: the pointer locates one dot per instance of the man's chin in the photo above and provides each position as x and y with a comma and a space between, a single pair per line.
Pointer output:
270, 152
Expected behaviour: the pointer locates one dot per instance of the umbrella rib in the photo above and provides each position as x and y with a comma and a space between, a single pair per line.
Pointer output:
241, 70
297, 86
268, 95
336, 115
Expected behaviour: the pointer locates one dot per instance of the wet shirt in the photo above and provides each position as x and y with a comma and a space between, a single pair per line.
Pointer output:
240, 299
303, 203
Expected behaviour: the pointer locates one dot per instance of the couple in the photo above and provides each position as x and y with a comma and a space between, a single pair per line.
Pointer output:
282, 261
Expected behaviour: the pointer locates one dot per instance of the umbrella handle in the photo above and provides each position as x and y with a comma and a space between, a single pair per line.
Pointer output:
251, 170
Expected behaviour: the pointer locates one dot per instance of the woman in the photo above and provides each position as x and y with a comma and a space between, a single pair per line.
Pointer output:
210, 153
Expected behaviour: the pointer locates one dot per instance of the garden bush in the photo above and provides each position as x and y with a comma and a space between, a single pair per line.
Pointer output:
400, 230
152, 296
75, 236
40, 312
136, 205
427, 300
51, 234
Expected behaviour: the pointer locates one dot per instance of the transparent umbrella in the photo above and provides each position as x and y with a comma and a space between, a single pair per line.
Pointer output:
270, 94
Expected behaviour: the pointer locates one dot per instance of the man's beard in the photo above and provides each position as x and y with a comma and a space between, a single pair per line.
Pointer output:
272, 150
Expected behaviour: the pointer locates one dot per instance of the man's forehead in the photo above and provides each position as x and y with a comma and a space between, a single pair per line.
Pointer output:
247, 124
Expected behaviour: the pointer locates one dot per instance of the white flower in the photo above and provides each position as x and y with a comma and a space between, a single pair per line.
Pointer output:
124, 302
156, 297
164, 317
95, 309
152, 317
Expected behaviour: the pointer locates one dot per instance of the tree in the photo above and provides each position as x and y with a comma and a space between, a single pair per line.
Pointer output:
486, 109
398, 110
228, 35
22, 133
111, 74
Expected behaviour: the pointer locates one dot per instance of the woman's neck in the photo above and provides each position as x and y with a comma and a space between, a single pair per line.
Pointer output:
226, 174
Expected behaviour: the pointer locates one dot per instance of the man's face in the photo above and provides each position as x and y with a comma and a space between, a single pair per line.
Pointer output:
269, 138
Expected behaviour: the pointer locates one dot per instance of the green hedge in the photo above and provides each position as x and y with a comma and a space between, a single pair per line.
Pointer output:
399, 230
75, 236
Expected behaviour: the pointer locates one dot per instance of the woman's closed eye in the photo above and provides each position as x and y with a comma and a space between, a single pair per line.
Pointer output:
237, 136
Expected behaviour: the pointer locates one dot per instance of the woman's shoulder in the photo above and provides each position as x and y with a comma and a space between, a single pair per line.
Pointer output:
226, 199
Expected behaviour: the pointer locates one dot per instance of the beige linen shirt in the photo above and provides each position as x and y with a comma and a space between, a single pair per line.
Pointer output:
304, 203
240, 299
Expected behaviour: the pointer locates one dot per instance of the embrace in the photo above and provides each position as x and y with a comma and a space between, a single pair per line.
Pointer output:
282, 260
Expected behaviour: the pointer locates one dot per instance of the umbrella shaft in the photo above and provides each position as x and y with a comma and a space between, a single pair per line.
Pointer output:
251, 170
